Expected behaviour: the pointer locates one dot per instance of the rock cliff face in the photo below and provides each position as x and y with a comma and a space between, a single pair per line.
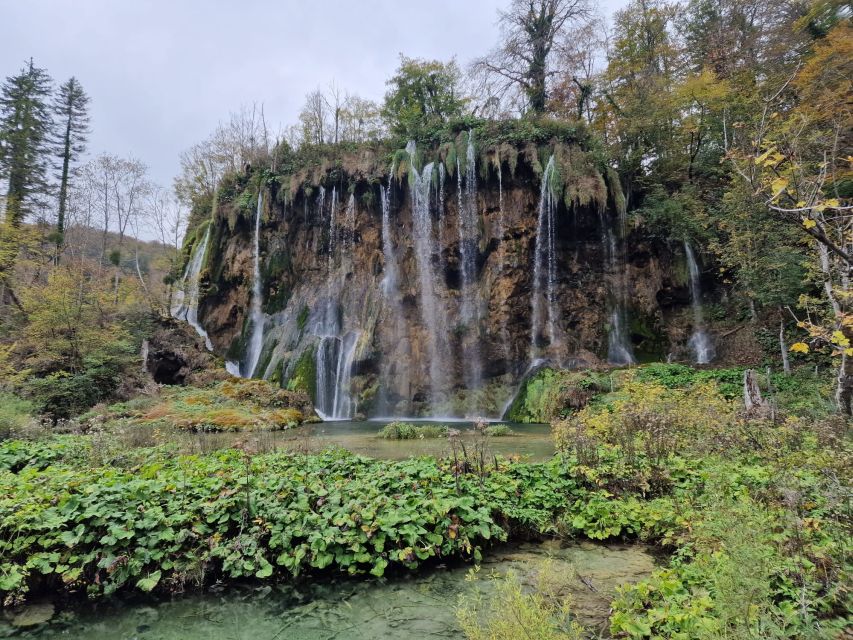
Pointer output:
431, 287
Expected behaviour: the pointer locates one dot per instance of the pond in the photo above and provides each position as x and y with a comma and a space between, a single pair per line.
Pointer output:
408, 607
532, 442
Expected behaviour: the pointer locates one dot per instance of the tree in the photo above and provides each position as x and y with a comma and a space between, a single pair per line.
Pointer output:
167, 219
313, 118
577, 60
795, 159
70, 107
422, 94
244, 139
638, 115
25, 127
524, 61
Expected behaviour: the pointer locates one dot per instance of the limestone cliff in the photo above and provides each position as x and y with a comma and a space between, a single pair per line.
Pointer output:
428, 282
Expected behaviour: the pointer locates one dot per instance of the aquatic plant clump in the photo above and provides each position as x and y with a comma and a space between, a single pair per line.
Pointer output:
409, 431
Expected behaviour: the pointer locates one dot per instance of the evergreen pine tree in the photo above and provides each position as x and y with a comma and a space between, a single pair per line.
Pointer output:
25, 128
70, 106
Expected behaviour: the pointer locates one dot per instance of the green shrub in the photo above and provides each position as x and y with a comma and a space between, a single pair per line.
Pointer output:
15, 413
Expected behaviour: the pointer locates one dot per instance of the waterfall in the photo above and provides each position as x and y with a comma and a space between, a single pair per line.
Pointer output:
334, 360
501, 232
335, 350
185, 304
442, 174
619, 349
468, 248
349, 226
390, 291
433, 323
545, 266
256, 315
389, 282
700, 341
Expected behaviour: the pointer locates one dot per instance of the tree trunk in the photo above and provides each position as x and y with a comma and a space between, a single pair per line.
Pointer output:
783, 347
63, 190
756, 406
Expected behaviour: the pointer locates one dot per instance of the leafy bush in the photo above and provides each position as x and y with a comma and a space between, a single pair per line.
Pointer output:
63, 394
550, 394
15, 413
16, 455
174, 520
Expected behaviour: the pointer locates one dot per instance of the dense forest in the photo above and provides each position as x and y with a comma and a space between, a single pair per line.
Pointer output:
168, 354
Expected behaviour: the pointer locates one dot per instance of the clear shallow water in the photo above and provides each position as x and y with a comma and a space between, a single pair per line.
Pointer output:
411, 607
531, 441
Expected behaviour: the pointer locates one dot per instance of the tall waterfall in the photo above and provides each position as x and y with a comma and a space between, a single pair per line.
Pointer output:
185, 303
469, 241
335, 355
501, 232
349, 225
335, 350
433, 323
700, 341
391, 293
256, 315
619, 348
390, 280
545, 267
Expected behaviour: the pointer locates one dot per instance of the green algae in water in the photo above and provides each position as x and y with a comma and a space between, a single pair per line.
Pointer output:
409, 607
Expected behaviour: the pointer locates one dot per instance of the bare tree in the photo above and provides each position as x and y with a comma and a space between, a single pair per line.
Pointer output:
521, 67
362, 120
313, 118
130, 186
335, 102
577, 63
244, 139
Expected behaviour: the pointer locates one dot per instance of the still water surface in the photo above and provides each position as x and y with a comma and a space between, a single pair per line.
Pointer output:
409, 607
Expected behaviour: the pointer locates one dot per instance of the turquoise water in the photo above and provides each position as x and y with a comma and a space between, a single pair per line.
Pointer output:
531, 442
410, 607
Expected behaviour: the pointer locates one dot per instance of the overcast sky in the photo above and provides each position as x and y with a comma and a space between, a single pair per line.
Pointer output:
162, 74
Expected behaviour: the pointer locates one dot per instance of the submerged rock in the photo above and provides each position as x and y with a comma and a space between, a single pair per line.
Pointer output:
33, 615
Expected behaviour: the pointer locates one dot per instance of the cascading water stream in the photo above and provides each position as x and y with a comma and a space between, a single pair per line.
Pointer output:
185, 304
545, 268
434, 324
256, 315
335, 351
619, 349
469, 241
700, 341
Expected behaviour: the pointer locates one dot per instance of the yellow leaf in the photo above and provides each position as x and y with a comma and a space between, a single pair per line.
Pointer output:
848, 351
799, 347
808, 223
778, 186
840, 339
764, 155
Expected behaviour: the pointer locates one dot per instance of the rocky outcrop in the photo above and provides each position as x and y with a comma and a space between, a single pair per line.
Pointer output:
174, 354
325, 280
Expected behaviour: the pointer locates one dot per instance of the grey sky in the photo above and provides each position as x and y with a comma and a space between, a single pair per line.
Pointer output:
162, 74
